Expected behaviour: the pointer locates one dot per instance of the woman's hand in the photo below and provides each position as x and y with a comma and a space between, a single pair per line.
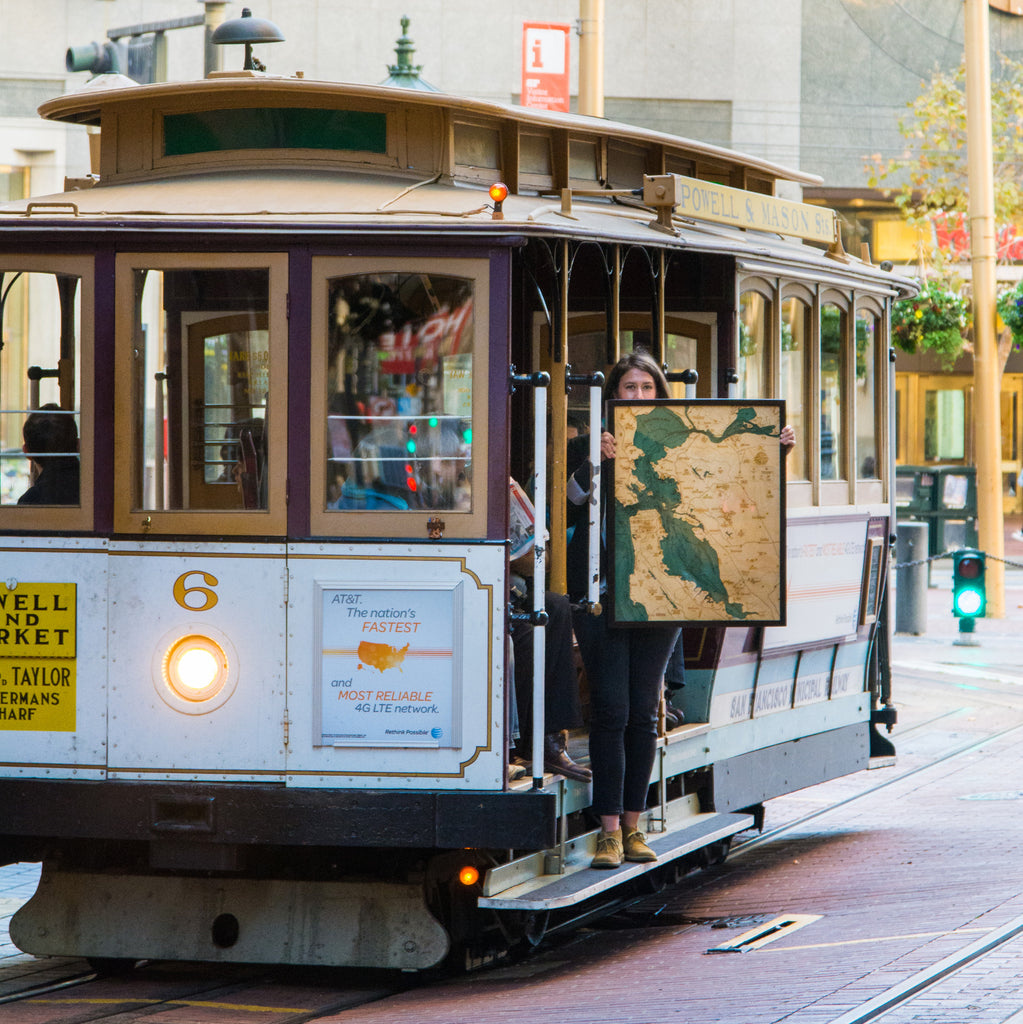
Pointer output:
607, 445
787, 438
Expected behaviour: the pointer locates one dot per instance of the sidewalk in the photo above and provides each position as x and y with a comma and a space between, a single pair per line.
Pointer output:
991, 633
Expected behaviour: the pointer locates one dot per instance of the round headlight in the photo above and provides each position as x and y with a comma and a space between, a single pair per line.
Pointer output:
195, 667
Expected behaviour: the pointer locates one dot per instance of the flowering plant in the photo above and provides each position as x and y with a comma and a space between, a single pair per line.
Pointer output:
1010, 308
936, 319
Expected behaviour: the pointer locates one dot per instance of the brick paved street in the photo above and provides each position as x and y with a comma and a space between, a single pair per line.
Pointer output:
891, 881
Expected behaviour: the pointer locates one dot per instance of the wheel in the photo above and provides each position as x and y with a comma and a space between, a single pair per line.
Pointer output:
716, 853
653, 882
524, 930
535, 927
111, 965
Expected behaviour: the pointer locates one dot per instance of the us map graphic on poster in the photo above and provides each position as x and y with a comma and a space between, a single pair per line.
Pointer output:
388, 667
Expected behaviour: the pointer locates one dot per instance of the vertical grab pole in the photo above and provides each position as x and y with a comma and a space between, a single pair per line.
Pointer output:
158, 466
537, 617
539, 577
593, 584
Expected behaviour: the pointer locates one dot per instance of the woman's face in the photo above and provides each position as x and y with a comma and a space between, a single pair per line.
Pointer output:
636, 384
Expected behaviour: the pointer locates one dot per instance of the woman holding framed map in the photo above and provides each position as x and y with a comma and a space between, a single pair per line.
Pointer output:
624, 666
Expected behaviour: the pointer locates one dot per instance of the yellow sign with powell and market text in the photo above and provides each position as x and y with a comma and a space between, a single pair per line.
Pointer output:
38, 638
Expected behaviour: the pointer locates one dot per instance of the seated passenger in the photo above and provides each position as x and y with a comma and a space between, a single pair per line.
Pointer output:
51, 444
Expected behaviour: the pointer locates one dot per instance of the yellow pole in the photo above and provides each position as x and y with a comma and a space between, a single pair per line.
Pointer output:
558, 562
986, 371
591, 57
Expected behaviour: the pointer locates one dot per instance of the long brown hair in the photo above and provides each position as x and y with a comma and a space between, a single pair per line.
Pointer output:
638, 359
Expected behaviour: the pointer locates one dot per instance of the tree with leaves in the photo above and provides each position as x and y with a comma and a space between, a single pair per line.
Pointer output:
929, 180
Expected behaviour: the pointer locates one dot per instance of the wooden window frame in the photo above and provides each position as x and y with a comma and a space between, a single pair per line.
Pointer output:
230, 522
63, 518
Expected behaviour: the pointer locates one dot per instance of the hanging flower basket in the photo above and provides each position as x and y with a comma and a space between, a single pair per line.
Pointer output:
935, 321
1010, 308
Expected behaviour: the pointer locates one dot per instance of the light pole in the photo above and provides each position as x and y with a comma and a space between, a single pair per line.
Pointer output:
591, 57
986, 371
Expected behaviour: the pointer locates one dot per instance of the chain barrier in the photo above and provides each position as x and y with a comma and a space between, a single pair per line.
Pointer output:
950, 554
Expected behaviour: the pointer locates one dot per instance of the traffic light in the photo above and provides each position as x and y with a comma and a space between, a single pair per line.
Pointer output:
969, 600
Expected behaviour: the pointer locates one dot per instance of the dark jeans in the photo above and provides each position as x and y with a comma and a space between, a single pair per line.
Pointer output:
561, 694
624, 668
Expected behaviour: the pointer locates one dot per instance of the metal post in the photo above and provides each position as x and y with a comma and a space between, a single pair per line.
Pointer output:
986, 371
539, 579
591, 57
215, 14
594, 522
911, 580
158, 460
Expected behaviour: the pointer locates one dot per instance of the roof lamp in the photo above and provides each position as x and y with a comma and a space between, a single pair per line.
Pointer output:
247, 30
499, 193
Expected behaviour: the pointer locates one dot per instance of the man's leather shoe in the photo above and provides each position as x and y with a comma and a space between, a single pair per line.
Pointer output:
557, 761
673, 718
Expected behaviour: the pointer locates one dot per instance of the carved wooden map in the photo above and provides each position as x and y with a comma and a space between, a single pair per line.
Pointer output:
697, 518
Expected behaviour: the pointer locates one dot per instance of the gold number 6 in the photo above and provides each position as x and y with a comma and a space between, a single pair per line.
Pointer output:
209, 598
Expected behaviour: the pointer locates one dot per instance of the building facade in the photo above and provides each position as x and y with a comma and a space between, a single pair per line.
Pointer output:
813, 84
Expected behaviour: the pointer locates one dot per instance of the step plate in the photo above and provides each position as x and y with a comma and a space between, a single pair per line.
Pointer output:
581, 882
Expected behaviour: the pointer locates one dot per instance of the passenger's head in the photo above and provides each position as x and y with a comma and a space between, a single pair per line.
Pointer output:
632, 376
49, 431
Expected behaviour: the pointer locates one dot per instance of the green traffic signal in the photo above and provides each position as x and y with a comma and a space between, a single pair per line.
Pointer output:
969, 597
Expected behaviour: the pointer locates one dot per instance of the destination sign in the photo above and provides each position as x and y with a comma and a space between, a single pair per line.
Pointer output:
705, 200
37, 620
38, 639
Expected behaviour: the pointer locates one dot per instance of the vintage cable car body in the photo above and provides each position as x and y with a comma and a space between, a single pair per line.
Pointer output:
287, 322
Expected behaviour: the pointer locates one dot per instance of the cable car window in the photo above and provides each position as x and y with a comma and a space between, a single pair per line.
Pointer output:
399, 406
44, 473
204, 436
754, 316
795, 368
833, 332
866, 396
402, 407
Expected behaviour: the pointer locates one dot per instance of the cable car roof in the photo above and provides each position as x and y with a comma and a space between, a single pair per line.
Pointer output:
242, 150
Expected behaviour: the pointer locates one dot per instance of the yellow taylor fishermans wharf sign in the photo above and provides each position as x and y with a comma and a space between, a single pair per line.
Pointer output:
720, 204
38, 647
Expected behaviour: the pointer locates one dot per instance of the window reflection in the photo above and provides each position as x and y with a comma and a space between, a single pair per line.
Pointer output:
795, 334
866, 396
753, 318
399, 392
833, 329
40, 403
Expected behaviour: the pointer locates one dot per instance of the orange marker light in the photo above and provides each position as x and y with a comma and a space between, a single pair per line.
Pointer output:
468, 876
499, 193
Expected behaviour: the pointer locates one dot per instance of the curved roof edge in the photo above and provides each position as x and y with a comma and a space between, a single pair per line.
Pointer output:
86, 107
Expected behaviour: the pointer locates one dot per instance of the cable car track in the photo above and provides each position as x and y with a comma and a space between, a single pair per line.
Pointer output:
55, 986
767, 836
211, 994
904, 992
